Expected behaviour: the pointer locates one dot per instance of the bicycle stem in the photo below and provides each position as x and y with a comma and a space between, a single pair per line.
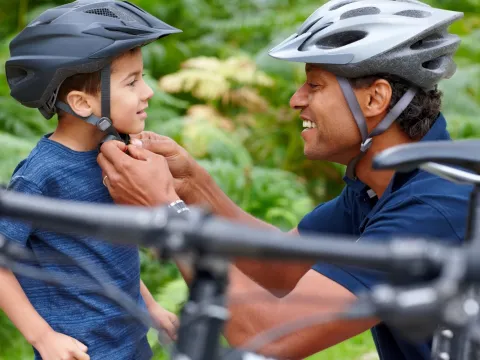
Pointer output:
204, 314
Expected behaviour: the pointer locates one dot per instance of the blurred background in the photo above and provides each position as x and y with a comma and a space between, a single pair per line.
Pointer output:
221, 96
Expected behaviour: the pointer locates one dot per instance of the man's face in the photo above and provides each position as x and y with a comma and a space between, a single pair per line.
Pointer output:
330, 131
129, 94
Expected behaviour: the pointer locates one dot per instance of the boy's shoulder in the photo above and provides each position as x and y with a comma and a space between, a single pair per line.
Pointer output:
50, 166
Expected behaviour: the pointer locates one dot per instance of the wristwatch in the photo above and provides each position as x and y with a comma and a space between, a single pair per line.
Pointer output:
178, 207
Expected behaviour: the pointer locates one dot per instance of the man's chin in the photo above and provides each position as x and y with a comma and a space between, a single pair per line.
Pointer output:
312, 155
319, 154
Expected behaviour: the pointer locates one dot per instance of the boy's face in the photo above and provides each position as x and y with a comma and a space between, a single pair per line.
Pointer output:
129, 94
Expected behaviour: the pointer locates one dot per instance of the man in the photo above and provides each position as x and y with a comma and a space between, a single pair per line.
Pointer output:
393, 54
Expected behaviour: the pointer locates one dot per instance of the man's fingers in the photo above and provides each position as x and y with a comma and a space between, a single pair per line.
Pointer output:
148, 135
107, 167
138, 152
165, 147
113, 150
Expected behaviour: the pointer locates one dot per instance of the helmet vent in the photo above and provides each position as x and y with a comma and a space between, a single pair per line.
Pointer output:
414, 14
435, 63
16, 75
307, 26
428, 42
339, 40
360, 12
102, 12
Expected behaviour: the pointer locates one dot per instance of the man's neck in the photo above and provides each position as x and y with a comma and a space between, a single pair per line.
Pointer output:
76, 134
378, 181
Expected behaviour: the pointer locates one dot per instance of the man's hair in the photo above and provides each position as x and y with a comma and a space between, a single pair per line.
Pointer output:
419, 116
89, 83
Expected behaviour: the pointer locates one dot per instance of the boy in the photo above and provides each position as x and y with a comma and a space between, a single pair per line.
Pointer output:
78, 61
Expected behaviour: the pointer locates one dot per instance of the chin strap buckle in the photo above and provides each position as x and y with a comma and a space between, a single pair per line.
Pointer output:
366, 145
104, 124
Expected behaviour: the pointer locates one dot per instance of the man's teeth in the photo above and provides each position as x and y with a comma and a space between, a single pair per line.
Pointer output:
308, 124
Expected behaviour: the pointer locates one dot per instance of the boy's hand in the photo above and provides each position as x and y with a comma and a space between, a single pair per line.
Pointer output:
56, 346
164, 320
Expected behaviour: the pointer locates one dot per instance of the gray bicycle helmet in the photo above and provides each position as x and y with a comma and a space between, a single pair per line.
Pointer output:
357, 38
80, 37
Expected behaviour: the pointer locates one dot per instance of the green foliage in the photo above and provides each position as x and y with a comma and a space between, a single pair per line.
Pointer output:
219, 94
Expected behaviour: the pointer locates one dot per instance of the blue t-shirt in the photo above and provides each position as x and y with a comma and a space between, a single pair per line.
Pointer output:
56, 171
416, 203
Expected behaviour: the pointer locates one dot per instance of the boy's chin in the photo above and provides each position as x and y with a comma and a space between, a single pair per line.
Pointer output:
132, 131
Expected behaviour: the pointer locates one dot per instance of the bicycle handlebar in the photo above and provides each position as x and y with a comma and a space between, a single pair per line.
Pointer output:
218, 236
214, 235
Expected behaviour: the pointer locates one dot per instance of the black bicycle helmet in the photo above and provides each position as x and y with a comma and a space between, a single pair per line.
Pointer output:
80, 37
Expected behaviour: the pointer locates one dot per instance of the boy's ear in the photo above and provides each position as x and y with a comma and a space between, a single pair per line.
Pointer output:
81, 103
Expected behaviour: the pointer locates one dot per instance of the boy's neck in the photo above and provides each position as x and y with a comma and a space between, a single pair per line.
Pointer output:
77, 134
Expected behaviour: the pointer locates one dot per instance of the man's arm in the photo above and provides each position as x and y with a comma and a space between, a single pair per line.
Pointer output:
130, 181
280, 277
314, 296
254, 310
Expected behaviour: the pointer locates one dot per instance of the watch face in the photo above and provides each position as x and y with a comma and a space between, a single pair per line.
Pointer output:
179, 207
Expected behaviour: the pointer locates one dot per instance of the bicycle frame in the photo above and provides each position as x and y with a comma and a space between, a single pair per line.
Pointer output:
449, 343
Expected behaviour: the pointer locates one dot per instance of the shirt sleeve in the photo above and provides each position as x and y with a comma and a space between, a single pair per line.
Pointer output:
409, 218
14, 230
331, 217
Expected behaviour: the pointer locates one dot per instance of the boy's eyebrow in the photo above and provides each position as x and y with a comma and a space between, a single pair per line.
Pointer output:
138, 72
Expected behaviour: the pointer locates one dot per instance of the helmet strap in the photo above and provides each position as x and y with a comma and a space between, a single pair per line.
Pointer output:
357, 113
104, 123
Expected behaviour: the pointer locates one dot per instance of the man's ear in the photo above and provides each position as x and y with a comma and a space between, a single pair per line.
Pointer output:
81, 103
377, 99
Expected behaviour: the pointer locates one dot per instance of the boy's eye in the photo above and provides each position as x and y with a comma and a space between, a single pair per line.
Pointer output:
132, 83
313, 86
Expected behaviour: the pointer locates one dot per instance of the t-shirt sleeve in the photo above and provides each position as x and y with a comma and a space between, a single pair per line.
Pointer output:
14, 230
329, 217
409, 218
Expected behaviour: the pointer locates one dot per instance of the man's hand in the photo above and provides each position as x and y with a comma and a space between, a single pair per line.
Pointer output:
143, 178
164, 320
186, 171
56, 346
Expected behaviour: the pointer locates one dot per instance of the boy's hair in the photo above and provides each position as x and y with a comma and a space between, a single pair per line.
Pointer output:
88, 82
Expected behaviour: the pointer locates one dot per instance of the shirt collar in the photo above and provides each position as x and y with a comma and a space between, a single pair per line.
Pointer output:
438, 131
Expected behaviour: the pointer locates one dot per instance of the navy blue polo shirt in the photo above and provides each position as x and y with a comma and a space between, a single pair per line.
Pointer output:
416, 203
